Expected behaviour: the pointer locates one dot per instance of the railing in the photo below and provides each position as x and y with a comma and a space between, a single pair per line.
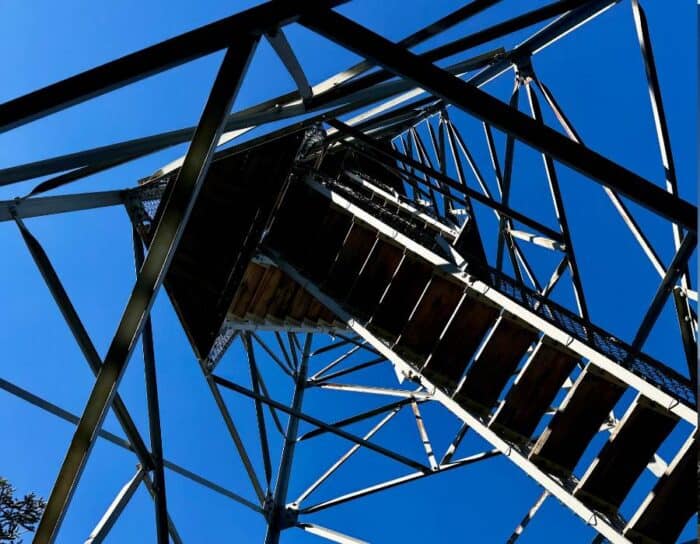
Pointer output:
651, 370
144, 200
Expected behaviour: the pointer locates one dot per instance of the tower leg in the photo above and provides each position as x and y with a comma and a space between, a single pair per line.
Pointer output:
277, 518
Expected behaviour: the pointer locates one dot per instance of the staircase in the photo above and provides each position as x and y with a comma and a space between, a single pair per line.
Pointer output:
331, 247
465, 336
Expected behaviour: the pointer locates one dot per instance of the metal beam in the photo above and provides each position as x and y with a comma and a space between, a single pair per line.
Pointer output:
257, 376
398, 481
259, 414
537, 240
286, 369
374, 390
662, 133
343, 458
168, 231
688, 328
361, 366
82, 338
115, 509
174, 534
35, 207
358, 417
235, 436
620, 206
117, 441
286, 54
439, 26
516, 251
152, 60
503, 183
319, 375
452, 448
362, 142
149, 364
560, 210
468, 42
499, 30
528, 517
318, 423
674, 272
423, 434
329, 534
275, 518
483, 106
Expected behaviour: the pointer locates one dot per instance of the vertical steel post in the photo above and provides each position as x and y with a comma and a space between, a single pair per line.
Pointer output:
149, 364
688, 330
277, 510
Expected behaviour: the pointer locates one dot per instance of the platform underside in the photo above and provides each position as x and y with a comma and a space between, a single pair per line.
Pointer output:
286, 236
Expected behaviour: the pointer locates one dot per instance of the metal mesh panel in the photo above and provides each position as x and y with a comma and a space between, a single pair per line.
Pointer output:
400, 220
142, 204
656, 373
226, 335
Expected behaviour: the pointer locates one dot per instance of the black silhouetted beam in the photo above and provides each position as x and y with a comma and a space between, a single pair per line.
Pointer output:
491, 110
467, 42
448, 21
35, 207
90, 161
686, 322
674, 272
168, 231
269, 110
284, 51
364, 142
152, 60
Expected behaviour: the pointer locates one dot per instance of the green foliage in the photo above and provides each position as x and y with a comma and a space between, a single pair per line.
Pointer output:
17, 515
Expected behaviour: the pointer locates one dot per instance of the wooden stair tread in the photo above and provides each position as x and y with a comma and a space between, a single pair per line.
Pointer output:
374, 279
280, 306
576, 422
625, 455
430, 317
324, 243
534, 390
671, 503
349, 261
407, 285
495, 364
292, 231
251, 279
460, 341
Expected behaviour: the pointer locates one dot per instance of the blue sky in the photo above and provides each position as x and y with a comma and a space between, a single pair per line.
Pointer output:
596, 74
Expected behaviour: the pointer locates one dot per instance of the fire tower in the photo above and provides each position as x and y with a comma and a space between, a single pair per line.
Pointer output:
364, 248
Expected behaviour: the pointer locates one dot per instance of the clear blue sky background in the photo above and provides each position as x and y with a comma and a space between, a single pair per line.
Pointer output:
598, 77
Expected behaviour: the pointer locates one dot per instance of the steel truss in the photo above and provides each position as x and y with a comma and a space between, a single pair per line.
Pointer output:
411, 136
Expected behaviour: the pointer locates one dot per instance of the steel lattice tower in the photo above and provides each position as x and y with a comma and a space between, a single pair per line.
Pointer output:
366, 249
